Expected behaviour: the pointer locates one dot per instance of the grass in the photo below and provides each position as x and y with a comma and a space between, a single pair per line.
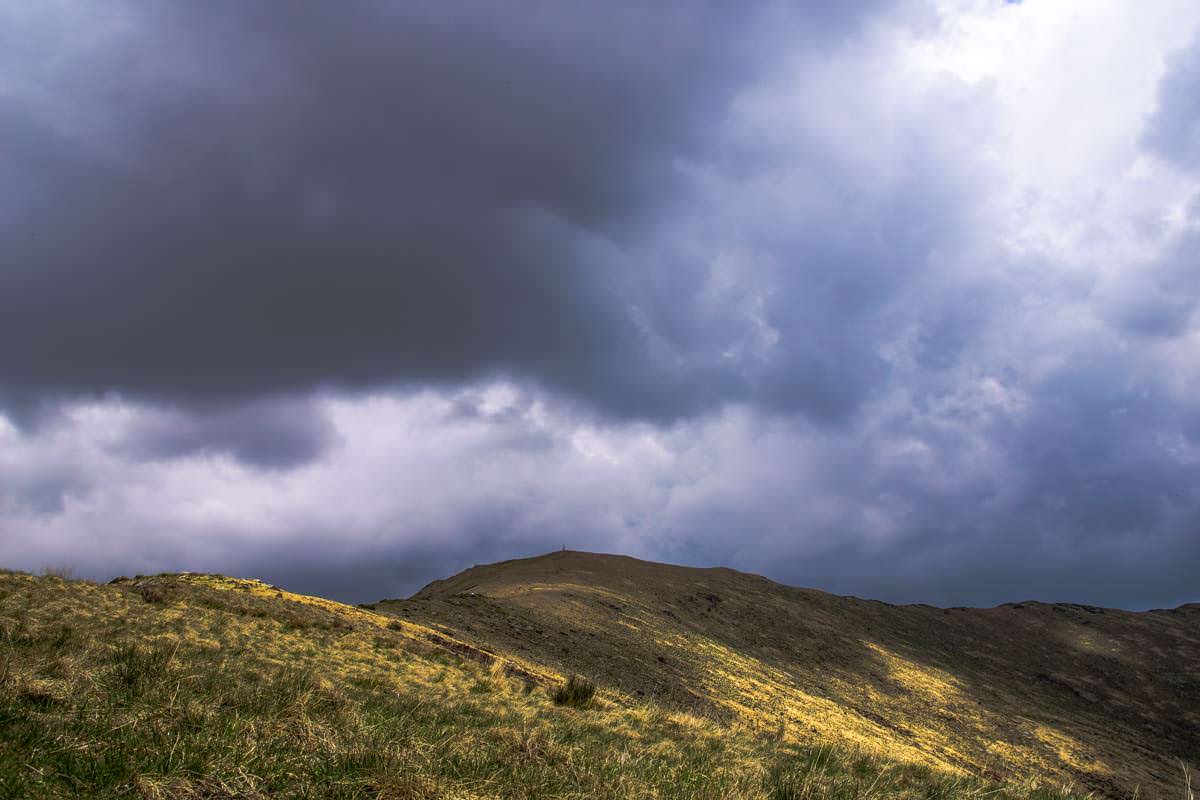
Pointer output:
576, 692
824, 773
201, 687
1104, 699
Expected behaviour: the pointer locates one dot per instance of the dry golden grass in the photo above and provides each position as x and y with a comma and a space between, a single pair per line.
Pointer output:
200, 686
1105, 699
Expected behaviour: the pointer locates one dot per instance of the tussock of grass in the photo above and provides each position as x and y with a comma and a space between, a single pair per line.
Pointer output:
576, 692
134, 668
106, 695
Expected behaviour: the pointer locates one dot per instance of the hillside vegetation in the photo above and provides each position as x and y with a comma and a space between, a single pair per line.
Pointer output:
1105, 699
202, 686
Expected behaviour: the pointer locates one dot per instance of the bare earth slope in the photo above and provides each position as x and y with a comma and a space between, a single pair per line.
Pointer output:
1107, 698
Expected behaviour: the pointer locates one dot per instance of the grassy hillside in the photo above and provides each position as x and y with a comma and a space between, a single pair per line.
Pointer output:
200, 686
1106, 699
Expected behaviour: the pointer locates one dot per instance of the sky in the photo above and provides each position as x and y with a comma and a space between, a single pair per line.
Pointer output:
894, 299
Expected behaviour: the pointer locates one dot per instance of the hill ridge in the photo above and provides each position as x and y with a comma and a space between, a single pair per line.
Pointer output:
440, 584
205, 686
1105, 697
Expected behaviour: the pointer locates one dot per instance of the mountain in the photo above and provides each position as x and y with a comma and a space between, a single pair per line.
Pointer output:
1105, 698
704, 685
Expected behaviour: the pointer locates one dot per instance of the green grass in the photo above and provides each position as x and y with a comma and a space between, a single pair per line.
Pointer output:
106, 692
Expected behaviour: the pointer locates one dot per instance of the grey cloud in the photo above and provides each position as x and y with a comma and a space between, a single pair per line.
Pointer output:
218, 214
1160, 300
1079, 495
1077, 483
45, 491
1174, 129
223, 202
1087, 501
1154, 313
269, 433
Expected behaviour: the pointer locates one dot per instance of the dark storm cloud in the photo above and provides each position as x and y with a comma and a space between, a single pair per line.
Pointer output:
721, 284
270, 434
1174, 129
1102, 508
844, 291
45, 491
221, 201
1091, 493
